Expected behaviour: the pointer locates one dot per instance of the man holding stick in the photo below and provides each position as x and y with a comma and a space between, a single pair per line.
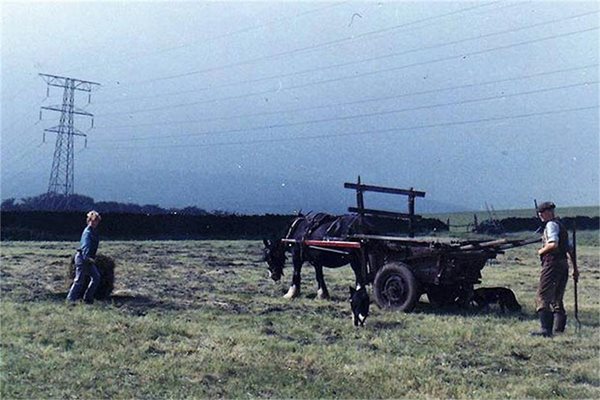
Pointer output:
555, 272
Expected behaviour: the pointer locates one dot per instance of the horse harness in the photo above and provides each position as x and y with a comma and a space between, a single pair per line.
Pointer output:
315, 221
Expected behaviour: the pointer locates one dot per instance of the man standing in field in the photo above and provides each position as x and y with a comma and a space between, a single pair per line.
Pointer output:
85, 263
554, 274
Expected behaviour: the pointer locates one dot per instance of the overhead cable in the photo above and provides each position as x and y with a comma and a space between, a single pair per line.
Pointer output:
349, 117
314, 47
362, 133
215, 37
348, 63
359, 75
349, 103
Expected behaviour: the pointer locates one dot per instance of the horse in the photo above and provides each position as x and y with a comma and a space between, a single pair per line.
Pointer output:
316, 226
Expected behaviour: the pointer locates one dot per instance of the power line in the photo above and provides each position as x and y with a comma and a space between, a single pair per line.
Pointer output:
23, 116
345, 64
19, 119
365, 115
14, 156
313, 47
236, 97
362, 133
15, 139
443, 59
355, 102
26, 154
221, 36
20, 93
360, 75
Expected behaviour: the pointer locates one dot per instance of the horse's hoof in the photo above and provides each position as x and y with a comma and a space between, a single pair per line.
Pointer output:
292, 292
322, 295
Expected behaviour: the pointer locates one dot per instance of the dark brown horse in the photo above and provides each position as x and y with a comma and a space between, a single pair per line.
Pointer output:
317, 226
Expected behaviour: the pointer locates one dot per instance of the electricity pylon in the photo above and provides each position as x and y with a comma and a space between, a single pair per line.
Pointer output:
63, 164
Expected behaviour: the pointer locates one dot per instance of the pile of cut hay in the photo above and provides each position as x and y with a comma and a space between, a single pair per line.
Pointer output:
106, 267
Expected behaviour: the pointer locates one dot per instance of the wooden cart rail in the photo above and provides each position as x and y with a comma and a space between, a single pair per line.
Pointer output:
497, 244
500, 244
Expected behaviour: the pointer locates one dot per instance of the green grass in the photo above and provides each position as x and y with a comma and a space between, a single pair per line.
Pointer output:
200, 319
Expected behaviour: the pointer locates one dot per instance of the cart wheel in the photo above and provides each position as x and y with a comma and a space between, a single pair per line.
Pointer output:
395, 288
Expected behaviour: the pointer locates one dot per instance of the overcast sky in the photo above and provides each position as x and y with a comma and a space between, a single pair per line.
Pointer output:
272, 106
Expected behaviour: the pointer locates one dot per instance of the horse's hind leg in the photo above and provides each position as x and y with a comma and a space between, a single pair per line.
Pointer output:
322, 292
359, 272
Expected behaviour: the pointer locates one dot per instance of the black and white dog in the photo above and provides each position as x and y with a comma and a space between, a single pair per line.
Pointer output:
359, 303
504, 297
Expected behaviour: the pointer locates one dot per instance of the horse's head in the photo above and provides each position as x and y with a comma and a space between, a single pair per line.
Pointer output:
274, 256
359, 302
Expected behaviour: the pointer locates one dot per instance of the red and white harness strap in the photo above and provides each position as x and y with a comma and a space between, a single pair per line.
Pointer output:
327, 243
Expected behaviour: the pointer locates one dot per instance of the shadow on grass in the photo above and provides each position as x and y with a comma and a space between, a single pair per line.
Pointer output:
134, 303
270, 310
53, 297
137, 304
386, 325
427, 308
589, 320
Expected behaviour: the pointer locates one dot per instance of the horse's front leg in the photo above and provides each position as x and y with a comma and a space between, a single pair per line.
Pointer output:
294, 290
322, 292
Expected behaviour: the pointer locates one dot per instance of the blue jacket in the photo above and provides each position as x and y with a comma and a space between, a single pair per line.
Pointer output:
89, 243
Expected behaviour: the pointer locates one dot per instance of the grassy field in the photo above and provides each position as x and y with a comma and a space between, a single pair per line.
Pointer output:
200, 319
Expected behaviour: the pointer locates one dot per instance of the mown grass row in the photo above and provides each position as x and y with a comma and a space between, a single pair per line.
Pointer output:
201, 320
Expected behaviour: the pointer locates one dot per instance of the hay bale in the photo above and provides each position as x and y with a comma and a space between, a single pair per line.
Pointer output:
106, 267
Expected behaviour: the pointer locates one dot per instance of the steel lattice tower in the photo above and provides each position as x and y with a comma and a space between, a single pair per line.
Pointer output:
63, 164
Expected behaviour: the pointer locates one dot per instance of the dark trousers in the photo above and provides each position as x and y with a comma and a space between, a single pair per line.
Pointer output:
553, 282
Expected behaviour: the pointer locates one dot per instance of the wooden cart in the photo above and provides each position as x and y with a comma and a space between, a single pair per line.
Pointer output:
401, 269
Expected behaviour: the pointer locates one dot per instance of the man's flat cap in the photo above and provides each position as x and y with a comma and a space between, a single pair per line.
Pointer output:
547, 205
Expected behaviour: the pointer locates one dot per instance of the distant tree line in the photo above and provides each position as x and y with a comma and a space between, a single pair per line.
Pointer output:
46, 225
49, 225
56, 217
76, 202
514, 224
59, 217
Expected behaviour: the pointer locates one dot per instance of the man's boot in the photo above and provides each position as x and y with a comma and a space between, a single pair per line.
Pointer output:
546, 322
560, 321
